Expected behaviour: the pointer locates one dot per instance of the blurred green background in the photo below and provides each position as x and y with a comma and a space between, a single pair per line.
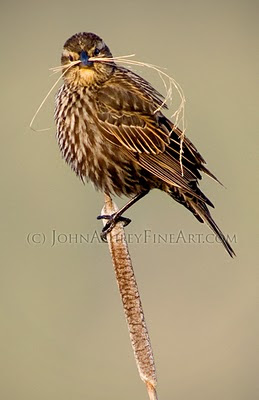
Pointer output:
63, 333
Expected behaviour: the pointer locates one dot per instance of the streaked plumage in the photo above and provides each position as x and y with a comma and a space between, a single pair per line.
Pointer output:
110, 131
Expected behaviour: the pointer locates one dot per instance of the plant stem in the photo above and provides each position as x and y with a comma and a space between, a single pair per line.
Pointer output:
131, 301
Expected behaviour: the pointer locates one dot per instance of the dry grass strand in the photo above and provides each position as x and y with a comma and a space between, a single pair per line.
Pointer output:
55, 69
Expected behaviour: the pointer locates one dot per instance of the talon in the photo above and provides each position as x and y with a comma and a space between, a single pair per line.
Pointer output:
103, 236
113, 219
126, 221
107, 229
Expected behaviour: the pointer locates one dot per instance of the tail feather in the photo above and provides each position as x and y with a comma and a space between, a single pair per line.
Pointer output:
201, 212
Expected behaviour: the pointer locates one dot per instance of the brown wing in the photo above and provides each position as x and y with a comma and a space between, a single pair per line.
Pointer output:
127, 115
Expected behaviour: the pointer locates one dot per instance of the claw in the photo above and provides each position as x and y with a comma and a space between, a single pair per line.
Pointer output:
112, 221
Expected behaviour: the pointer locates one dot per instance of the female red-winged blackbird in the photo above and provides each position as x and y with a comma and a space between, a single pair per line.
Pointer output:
111, 131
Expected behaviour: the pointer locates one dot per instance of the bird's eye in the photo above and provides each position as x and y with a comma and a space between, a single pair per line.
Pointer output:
71, 58
96, 52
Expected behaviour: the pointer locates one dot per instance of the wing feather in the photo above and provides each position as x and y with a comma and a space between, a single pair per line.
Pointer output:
126, 112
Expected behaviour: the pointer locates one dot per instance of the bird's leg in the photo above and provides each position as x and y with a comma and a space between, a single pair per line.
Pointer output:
116, 217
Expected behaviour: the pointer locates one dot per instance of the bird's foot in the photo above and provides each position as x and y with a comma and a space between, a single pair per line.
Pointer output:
112, 221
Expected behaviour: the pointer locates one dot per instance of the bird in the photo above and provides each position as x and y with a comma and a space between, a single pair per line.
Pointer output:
112, 131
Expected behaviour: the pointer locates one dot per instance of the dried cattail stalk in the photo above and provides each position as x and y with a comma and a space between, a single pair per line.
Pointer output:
131, 302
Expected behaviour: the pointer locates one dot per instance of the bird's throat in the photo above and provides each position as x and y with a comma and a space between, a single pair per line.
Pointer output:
81, 77
86, 76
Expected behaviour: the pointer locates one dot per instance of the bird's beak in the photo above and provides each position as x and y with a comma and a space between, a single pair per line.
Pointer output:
85, 59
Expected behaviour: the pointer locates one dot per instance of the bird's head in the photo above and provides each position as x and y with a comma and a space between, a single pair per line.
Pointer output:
77, 53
